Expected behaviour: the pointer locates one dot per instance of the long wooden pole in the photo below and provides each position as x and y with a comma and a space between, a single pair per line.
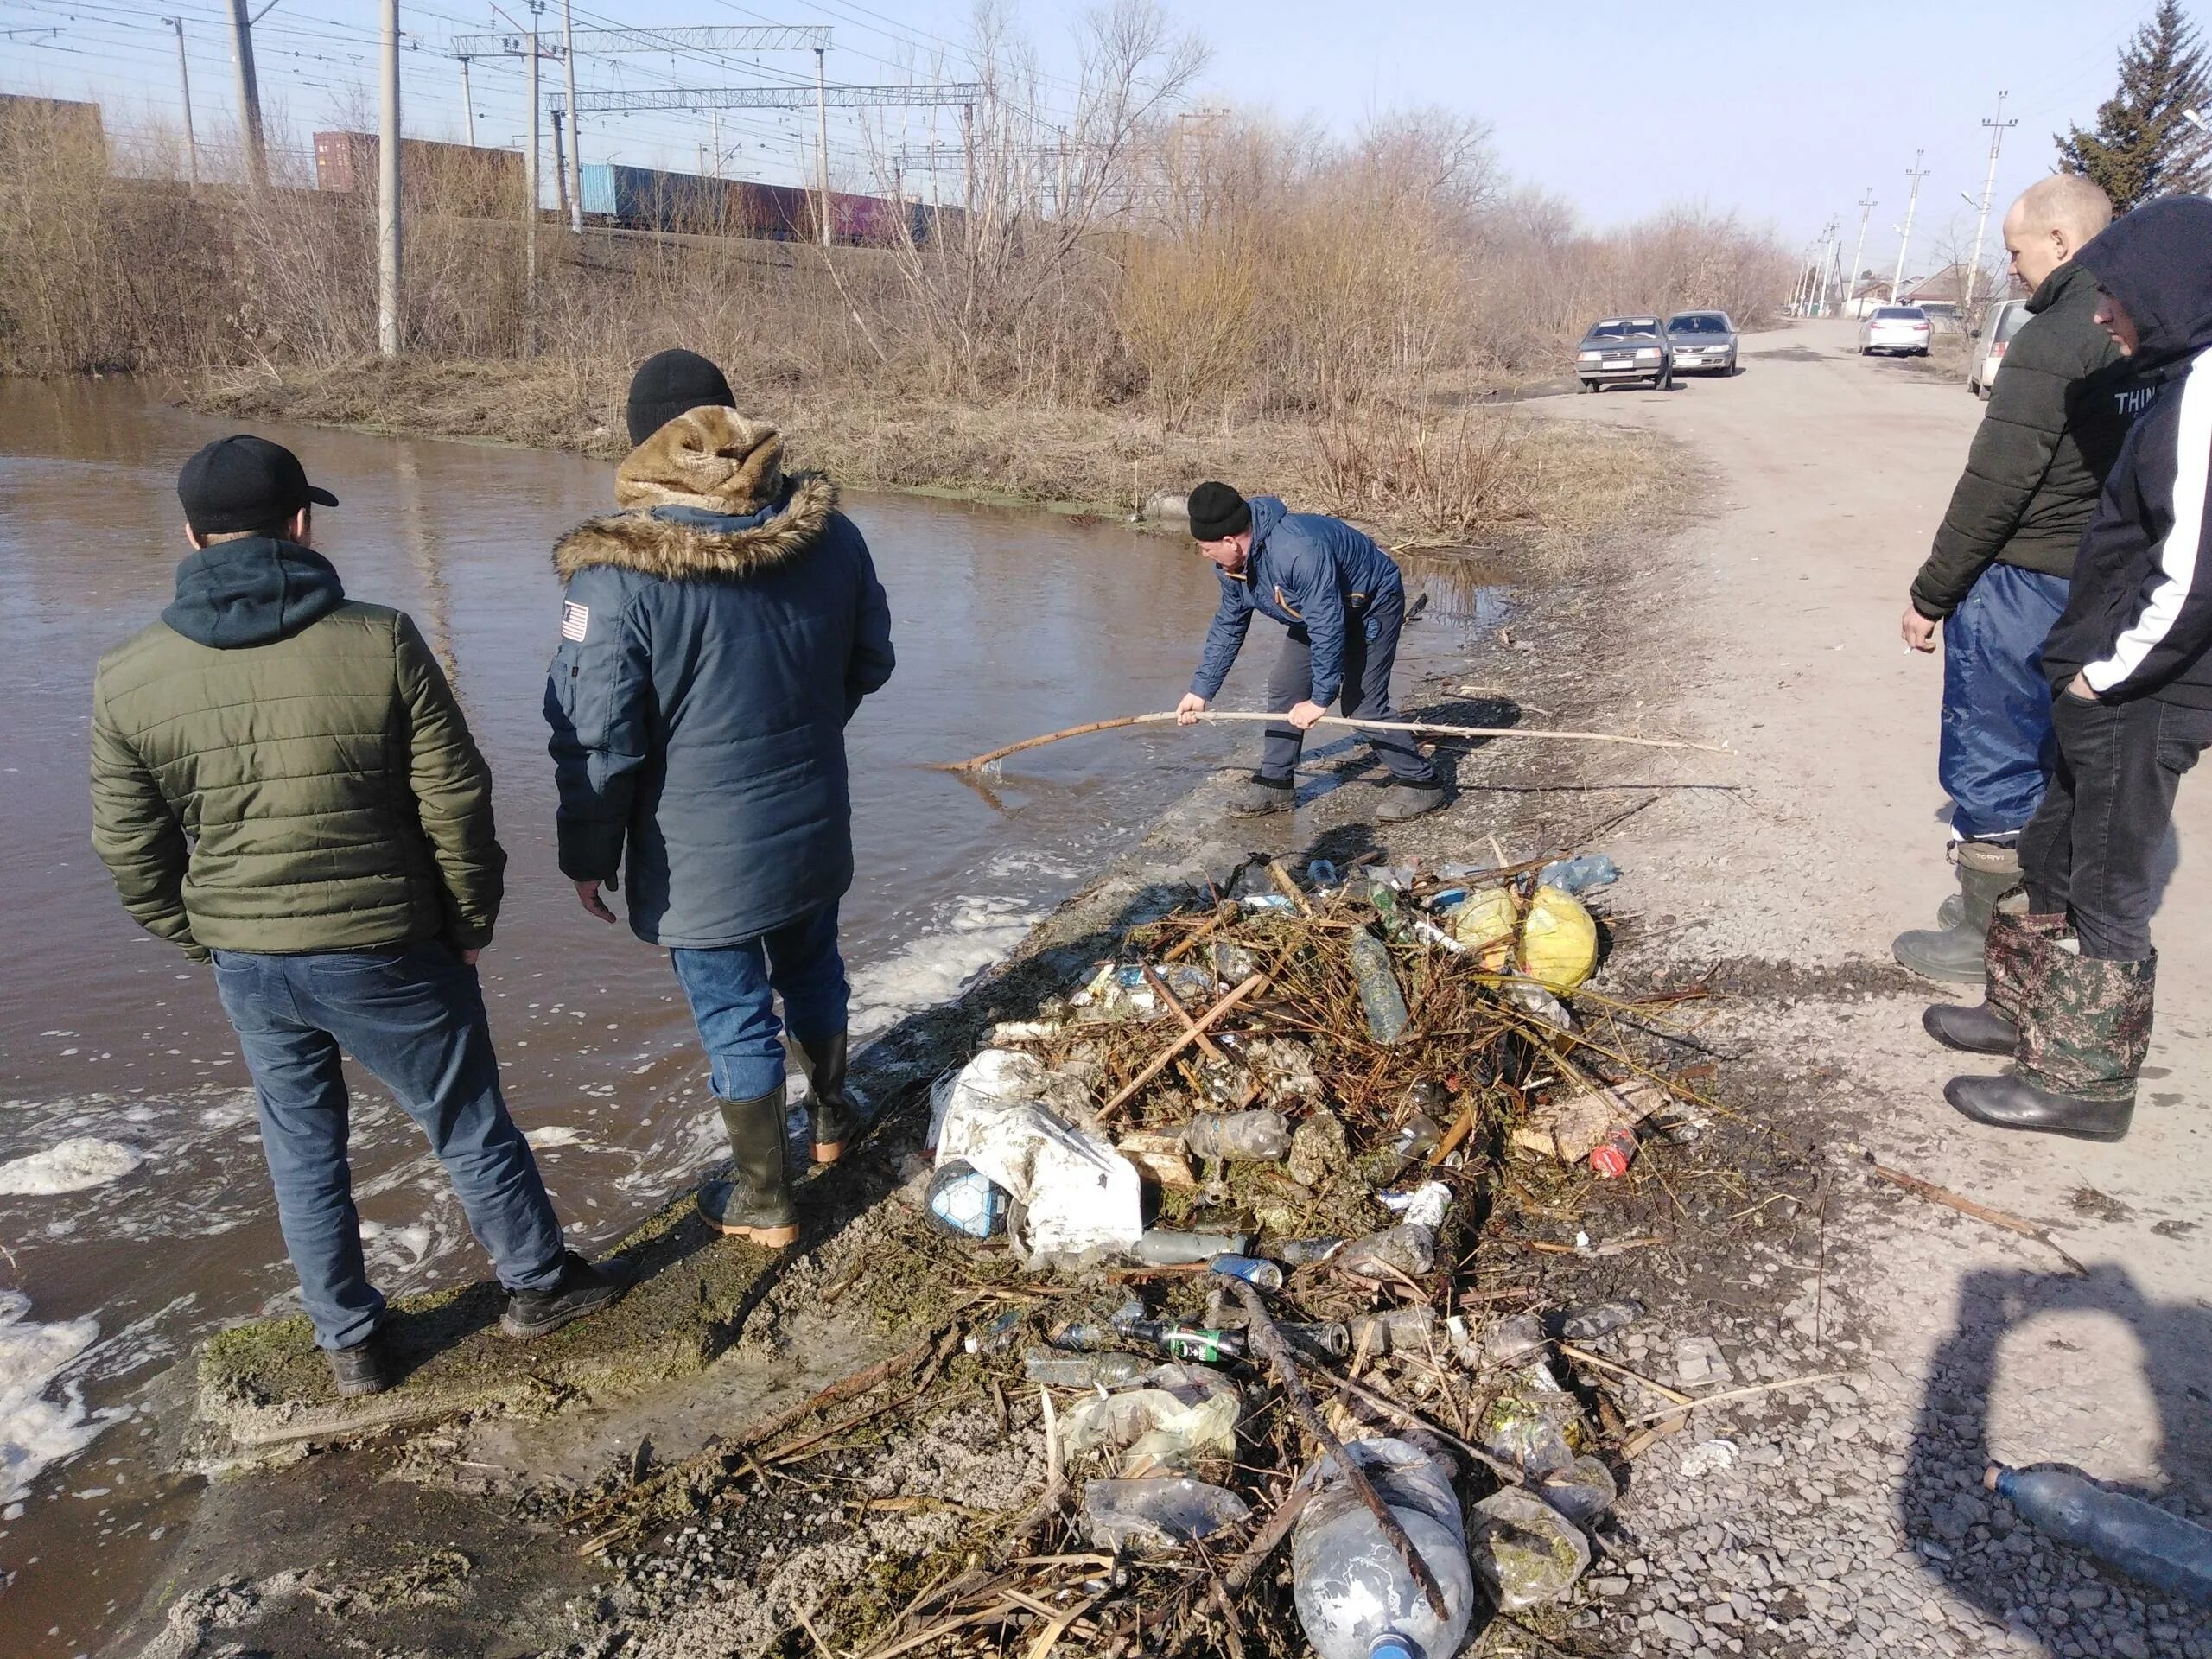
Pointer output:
1421, 728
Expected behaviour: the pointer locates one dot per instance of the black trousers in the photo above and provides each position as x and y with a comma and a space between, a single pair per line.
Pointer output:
2090, 848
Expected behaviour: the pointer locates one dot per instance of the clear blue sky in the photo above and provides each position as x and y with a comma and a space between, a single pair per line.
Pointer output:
1784, 114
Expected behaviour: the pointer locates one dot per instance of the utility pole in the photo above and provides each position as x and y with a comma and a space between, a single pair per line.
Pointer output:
575, 190
467, 104
1866, 204
388, 297
821, 139
714, 132
529, 189
184, 80
256, 158
1988, 186
560, 171
1916, 172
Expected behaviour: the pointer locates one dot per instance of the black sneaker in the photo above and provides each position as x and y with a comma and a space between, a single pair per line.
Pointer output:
365, 1368
583, 1289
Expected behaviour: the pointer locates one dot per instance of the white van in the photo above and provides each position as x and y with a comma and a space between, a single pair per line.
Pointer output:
1998, 324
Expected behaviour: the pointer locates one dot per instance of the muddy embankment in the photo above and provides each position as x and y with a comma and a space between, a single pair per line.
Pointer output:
667, 1479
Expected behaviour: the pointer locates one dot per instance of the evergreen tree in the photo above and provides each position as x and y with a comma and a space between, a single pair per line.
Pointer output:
2144, 144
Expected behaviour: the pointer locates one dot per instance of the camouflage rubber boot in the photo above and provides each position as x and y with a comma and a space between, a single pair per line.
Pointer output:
755, 1202
1955, 953
2084, 1031
2017, 938
831, 1108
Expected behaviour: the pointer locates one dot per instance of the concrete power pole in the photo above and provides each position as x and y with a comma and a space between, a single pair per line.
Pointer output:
467, 104
822, 142
560, 166
256, 158
575, 191
1988, 187
1915, 172
184, 82
529, 189
1866, 204
388, 297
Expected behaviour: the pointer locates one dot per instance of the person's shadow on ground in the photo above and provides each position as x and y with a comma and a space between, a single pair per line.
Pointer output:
1988, 1556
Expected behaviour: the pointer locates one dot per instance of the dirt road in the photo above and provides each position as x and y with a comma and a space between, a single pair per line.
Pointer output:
1830, 471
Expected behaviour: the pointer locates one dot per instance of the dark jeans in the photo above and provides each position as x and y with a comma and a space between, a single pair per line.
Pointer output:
733, 993
1996, 745
2090, 847
1370, 652
414, 1016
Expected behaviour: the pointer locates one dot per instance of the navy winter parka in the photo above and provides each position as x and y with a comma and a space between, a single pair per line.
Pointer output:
1305, 569
715, 638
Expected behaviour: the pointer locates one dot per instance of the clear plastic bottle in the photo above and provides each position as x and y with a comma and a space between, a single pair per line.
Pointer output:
1351, 1585
2145, 1542
1379, 993
1057, 1370
1256, 1136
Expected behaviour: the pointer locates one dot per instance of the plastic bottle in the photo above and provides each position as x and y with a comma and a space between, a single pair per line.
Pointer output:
1302, 1252
2147, 1543
1587, 1323
1385, 1004
1163, 1248
1253, 1137
1393, 1331
1112, 1370
1579, 874
1352, 1586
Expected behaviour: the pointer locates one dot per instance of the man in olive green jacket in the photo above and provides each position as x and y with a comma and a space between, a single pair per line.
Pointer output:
283, 783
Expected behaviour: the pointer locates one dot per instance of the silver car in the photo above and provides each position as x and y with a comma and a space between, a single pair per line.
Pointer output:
1625, 348
1703, 340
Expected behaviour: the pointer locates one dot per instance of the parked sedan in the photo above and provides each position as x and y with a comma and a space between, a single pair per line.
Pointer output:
1894, 328
1624, 348
1703, 340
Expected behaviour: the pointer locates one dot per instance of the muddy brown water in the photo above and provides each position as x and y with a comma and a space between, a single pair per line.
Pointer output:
1007, 623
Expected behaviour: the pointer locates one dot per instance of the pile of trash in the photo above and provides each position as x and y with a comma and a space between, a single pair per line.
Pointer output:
1245, 1164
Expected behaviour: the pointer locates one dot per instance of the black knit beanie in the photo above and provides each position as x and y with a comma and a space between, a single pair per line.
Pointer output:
1217, 511
667, 384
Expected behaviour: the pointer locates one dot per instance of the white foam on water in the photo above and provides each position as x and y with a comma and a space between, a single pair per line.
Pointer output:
37, 1430
71, 1165
555, 1135
939, 965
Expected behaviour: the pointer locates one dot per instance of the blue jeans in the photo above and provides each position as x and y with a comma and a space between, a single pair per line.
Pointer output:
733, 993
1370, 652
414, 1016
1997, 747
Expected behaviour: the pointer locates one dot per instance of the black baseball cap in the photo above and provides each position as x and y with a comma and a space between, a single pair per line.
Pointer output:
243, 482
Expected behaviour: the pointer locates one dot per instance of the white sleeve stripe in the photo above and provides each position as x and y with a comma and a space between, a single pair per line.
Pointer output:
2177, 557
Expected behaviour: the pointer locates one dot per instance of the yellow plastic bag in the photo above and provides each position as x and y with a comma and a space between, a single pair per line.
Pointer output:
1488, 922
1558, 941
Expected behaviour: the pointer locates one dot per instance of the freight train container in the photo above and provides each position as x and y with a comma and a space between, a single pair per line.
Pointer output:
465, 181
647, 199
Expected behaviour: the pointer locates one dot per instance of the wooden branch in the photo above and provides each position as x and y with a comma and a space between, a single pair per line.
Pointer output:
1175, 1006
1260, 1331
1965, 1206
1268, 1540
1419, 729
1665, 1412
1192, 1033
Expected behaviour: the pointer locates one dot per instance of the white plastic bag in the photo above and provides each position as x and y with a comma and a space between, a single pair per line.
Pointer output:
1076, 1192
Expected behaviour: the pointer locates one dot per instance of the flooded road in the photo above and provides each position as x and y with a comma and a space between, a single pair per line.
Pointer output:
134, 1211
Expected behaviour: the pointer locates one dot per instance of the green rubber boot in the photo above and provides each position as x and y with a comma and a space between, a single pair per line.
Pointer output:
834, 1115
755, 1202
1954, 954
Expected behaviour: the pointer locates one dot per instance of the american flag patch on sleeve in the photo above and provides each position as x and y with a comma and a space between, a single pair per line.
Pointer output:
574, 620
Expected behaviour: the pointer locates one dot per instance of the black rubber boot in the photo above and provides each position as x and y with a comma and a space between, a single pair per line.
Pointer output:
1257, 796
365, 1368
1972, 1029
2010, 1102
2016, 956
1410, 801
1954, 953
756, 1202
834, 1115
582, 1289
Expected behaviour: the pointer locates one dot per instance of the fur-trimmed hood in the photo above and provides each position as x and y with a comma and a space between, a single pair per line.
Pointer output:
706, 495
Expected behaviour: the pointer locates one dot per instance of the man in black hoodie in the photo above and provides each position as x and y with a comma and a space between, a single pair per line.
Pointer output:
2069, 962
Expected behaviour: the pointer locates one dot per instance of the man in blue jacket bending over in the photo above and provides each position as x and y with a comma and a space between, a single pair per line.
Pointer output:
715, 637
1342, 601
